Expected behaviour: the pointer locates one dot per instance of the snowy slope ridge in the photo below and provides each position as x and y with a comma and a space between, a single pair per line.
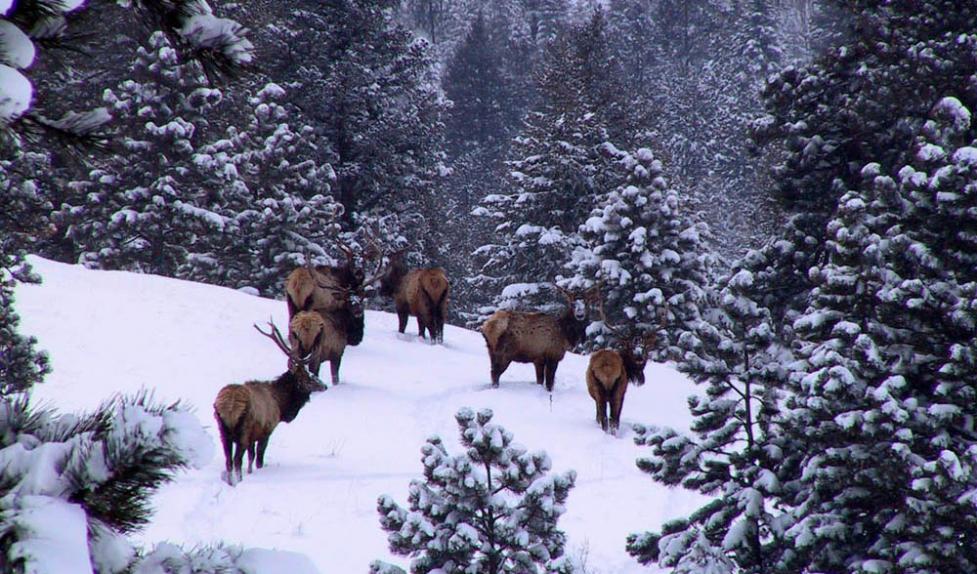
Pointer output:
111, 332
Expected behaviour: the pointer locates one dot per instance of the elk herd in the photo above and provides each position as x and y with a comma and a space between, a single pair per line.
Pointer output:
326, 314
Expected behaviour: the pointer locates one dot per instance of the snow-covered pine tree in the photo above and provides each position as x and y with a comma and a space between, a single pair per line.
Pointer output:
736, 446
21, 365
861, 102
555, 168
645, 250
144, 209
473, 81
273, 196
215, 43
76, 485
369, 88
884, 391
491, 510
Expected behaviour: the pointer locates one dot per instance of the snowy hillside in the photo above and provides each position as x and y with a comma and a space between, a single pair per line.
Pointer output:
111, 332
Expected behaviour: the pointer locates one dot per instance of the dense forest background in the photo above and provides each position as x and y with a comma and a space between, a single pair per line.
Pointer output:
412, 120
783, 192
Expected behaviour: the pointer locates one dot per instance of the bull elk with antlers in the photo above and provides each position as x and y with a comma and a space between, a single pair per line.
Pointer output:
327, 288
537, 338
419, 292
247, 414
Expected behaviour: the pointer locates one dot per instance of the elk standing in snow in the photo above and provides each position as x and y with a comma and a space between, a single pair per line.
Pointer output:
610, 371
536, 338
323, 337
320, 288
419, 292
247, 414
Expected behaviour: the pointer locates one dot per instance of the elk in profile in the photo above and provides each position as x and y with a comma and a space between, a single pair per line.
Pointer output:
247, 414
610, 371
537, 338
419, 292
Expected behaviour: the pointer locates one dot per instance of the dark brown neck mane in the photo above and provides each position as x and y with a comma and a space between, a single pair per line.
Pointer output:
391, 280
573, 329
291, 395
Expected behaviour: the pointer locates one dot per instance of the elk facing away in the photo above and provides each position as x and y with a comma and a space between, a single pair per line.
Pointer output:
419, 292
610, 371
247, 414
536, 338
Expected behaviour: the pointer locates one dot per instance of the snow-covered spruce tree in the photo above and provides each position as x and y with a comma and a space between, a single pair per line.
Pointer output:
736, 448
27, 25
370, 92
645, 250
862, 102
273, 197
75, 486
694, 72
555, 170
884, 391
491, 510
144, 209
21, 365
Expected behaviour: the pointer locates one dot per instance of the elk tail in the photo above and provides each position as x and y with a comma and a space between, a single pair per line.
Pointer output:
231, 409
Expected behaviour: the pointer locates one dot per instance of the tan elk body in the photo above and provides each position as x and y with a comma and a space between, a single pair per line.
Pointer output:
608, 374
538, 338
248, 413
422, 293
320, 338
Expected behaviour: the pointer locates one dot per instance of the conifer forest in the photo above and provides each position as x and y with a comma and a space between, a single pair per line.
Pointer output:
775, 198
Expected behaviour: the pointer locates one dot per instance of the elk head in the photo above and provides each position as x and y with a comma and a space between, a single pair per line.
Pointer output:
634, 346
297, 365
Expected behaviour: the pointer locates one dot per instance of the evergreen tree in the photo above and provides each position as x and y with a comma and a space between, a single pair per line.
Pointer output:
556, 169
21, 365
473, 81
491, 510
274, 198
215, 43
737, 446
76, 486
371, 93
645, 251
862, 102
144, 210
887, 348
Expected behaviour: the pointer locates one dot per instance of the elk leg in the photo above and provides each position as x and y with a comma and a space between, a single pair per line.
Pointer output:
314, 366
498, 367
540, 371
228, 453
334, 368
402, 316
551, 374
601, 403
420, 327
251, 457
262, 445
238, 461
617, 403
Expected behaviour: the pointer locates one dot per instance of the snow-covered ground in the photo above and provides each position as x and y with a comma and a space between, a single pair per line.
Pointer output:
110, 332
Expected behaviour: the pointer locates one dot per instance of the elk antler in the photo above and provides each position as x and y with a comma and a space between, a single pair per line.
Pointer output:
276, 336
619, 331
347, 250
